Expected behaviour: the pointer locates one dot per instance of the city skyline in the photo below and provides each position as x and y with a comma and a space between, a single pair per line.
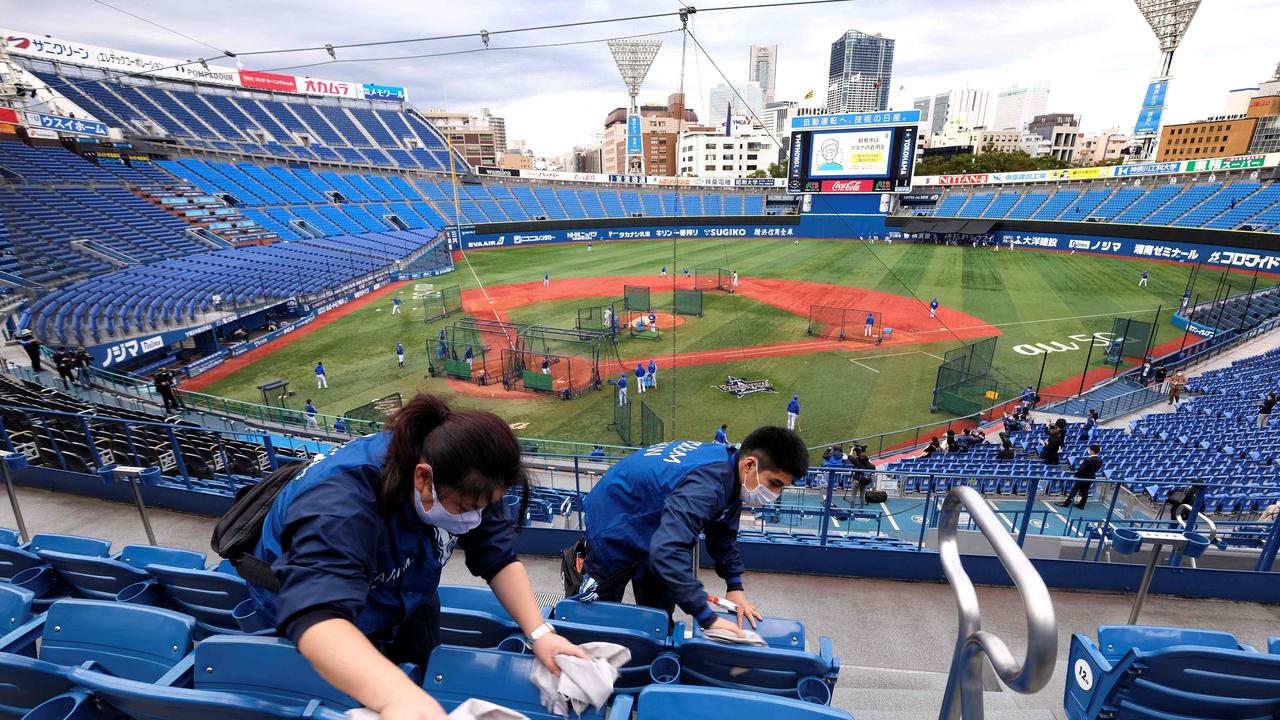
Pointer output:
1097, 69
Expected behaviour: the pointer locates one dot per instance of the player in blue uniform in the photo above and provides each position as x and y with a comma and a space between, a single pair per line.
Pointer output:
399, 356
867, 328
933, 307
722, 437
793, 411
645, 515
358, 540
322, 382
652, 376
395, 306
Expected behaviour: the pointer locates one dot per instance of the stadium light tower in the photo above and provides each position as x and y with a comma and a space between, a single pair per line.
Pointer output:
633, 58
1169, 20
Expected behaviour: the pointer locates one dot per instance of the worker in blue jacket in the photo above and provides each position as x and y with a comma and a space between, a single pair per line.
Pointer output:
644, 517
358, 540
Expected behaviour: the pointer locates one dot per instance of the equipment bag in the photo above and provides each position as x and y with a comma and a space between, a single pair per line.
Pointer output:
237, 533
876, 496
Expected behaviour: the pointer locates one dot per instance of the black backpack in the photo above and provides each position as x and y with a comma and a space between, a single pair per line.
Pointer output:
237, 533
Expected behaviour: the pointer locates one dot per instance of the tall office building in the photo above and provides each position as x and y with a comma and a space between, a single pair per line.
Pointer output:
965, 109
1016, 106
764, 69
933, 112
860, 73
747, 100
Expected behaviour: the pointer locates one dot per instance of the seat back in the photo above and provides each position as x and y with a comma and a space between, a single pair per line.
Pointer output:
1114, 641
473, 617
129, 641
648, 621
661, 702
70, 544
15, 607
208, 596
140, 556
96, 578
455, 674
9, 537
145, 701
786, 673
263, 667
780, 633
14, 559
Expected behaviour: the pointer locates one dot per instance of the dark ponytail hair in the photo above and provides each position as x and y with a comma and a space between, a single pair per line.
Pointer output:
471, 452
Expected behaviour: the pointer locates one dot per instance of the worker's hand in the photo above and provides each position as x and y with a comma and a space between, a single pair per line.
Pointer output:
412, 706
745, 608
722, 624
552, 644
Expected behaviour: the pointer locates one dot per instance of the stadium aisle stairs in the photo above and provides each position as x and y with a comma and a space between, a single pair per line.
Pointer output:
1077, 407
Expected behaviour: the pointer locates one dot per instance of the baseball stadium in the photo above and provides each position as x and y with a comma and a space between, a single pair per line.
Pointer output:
899, 396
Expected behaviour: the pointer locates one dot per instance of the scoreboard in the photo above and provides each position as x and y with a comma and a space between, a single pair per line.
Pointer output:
853, 152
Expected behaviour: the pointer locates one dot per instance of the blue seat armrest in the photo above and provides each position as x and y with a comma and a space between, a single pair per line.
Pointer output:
181, 674
621, 707
1273, 645
413, 670
677, 632
827, 653
22, 639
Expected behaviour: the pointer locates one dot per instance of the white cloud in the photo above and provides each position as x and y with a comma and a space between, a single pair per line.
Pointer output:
1097, 55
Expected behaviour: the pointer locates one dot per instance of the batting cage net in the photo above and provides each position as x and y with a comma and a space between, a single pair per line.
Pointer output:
965, 383
599, 318
711, 279
442, 303
845, 323
370, 417
472, 348
636, 297
643, 325
687, 302
571, 358
622, 418
652, 428
1129, 338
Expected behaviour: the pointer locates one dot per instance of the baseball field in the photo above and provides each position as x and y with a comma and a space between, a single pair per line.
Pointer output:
1047, 309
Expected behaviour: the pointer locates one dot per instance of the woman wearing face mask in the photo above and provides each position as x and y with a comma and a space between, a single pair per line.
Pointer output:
644, 516
359, 538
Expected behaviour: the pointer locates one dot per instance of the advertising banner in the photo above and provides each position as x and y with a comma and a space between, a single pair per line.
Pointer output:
384, 92
635, 144
8, 116
66, 124
1148, 121
268, 81
51, 48
1233, 163
846, 120
472, 240
1163, 168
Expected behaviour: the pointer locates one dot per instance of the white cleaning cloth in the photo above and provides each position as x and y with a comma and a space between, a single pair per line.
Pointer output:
748, 637
582, 683
472, 709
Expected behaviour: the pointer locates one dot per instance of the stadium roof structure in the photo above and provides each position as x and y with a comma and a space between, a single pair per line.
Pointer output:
1169, 19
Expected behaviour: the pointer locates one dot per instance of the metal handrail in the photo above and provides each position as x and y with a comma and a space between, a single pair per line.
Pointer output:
1182, 524
963, 697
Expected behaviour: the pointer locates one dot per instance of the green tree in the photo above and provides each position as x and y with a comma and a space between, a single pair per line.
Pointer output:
776, 170
759, 174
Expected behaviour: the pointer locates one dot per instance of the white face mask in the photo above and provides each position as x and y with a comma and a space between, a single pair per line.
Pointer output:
759, 497
437, 516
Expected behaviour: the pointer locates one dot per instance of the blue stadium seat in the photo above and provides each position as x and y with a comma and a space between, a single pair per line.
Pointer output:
643, 631
125, 641
473, 616
780, 633
268, 668
9, 537
455, 674
23, 565
785, 673
103, 578
663, 702
146, 701
1169, 674
15, 607
210, 596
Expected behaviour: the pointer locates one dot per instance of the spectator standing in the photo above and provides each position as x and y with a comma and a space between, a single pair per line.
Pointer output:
63, 363
1146, 374
722, 435
1264, 409
83, 362
1176, 384
1052, 447
793, 411
32, 347
311, 411
1085, 475
165, 383
863, 473
322, 382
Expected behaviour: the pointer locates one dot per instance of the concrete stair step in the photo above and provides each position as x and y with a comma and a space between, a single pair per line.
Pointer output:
894, 701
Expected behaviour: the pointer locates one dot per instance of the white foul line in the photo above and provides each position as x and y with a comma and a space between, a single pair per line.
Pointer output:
1061, 517
855, 362
1001, 515
889, 515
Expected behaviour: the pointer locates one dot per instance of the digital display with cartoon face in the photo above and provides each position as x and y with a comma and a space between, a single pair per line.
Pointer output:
864, 153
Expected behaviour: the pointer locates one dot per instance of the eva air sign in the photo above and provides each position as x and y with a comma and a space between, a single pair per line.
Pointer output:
1235, 163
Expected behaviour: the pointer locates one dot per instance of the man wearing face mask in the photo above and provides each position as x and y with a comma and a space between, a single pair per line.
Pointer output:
356, 543
644, 517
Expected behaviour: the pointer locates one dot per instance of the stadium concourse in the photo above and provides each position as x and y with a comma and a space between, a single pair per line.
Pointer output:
213, 222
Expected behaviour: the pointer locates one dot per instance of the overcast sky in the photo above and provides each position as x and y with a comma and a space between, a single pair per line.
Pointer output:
1096, 55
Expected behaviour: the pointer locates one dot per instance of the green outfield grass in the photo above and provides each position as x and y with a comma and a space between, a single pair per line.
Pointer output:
1030, 296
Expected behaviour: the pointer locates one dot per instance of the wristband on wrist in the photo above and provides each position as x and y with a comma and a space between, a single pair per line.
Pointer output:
539, 631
